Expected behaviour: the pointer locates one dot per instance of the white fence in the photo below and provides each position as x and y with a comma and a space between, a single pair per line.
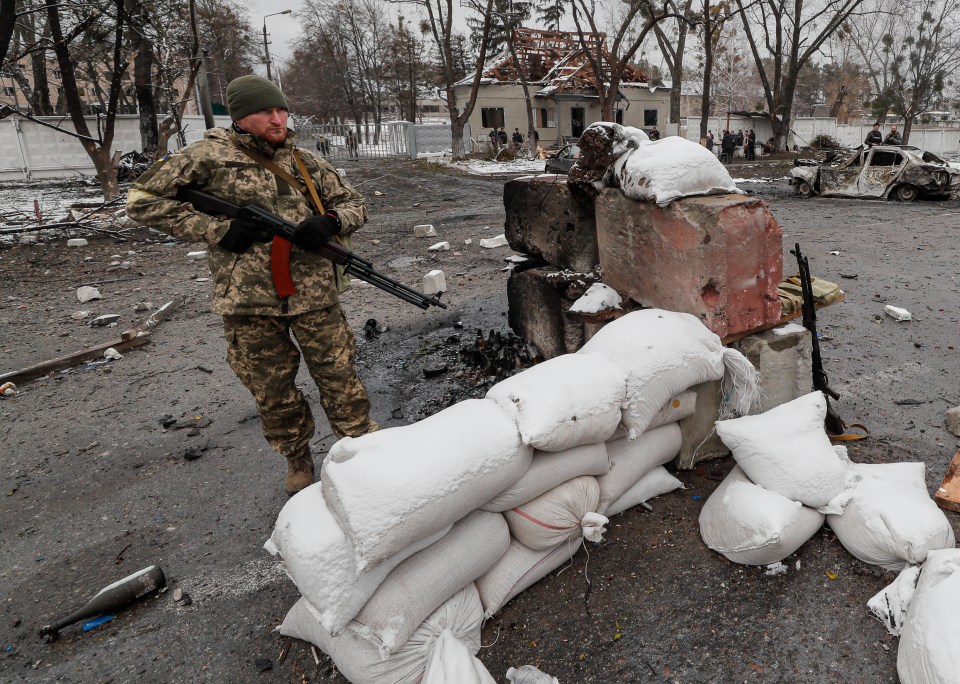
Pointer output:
944, 142
30, 151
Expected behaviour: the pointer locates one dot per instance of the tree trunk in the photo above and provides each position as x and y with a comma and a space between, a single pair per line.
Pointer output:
8, 20
907, 127
456, 144
40, 102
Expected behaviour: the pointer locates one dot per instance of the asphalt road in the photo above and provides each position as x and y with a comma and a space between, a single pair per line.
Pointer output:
94, 487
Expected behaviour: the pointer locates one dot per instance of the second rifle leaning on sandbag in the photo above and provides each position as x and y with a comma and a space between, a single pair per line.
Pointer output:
276, 226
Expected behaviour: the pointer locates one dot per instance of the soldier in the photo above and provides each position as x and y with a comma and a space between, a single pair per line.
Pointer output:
237, 164
893, 137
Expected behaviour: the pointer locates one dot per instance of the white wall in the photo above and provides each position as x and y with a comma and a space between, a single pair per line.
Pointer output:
29, 150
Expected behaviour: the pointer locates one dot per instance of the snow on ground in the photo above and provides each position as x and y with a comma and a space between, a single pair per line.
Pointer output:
52, 198
484, 167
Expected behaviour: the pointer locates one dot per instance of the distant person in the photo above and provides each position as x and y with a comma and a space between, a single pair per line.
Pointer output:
738, 139
893, 137
654, 134
517, 137
727, 145
323, 145
750, 145
503, 136
353, 144
494, 136
710, 140
874, 137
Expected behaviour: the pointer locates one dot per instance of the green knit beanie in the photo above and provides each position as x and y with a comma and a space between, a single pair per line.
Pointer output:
251, 93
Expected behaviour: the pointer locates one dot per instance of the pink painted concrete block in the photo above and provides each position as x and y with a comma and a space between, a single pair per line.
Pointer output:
718, 257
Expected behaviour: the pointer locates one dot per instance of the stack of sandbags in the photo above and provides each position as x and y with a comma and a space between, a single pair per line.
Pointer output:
789, 476
410, 525
392, 532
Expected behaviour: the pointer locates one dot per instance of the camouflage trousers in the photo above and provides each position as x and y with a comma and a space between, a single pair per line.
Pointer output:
262, 353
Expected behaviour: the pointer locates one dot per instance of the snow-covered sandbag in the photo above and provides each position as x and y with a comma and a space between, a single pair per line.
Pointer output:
518, 569
752, 525
550, 469
681, 406
928, 643
391, 488
890, 520
630, 460
320, 562
567, 401
597, 298
419, 584
667, 169
452, 661
787, 450
664, 353
565, 513
891, 604
655, 483
358, 659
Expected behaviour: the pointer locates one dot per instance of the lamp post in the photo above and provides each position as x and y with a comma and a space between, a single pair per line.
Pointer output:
266, 44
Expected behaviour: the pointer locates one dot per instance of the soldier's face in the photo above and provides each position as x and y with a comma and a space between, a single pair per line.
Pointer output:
269, 124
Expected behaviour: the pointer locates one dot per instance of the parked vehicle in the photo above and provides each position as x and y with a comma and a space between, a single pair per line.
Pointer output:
563, 160
888, 171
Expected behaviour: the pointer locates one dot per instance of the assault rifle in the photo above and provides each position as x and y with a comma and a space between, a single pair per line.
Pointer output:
280, 262
833, 422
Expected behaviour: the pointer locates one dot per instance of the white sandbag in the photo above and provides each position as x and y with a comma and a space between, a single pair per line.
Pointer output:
630, 460
929, 652
320, 562
890, 520
565, 513
667, 169
452, 662
752, 525
549, 469
681, 406
528, 674
664, 353
358, 659
891, 604
655, 483
391, 488
419, 584
787, 450
567, 401
518, 569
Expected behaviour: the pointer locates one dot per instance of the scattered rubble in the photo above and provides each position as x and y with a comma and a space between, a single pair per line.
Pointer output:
434, 282
87, 293
425, 230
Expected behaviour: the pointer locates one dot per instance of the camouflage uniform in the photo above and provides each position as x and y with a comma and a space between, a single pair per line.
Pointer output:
257, 323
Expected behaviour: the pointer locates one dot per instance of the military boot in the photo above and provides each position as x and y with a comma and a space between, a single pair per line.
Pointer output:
299, 472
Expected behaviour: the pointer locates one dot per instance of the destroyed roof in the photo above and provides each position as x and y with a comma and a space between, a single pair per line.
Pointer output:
555, 60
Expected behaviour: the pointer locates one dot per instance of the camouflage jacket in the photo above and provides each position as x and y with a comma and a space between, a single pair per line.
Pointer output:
242, 283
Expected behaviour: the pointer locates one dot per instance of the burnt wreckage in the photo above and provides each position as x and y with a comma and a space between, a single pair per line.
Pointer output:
882, 171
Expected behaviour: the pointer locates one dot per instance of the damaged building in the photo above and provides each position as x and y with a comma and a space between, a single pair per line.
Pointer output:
562, 82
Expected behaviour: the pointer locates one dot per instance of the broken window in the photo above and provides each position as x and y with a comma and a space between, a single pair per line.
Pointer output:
885, 158
491, 117
546, 118
651, 117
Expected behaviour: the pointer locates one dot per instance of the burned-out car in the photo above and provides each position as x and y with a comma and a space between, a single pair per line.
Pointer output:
888, 171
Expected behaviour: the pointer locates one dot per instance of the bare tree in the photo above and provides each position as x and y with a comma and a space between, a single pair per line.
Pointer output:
924, 57
438, 22
672, 39
610, 63
8, 19
783, 36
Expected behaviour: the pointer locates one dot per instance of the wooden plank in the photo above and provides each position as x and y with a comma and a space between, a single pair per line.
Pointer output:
948, 496
136, 336
74, 359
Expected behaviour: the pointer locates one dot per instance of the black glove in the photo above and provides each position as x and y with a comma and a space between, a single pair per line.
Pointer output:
313, 233
241, 235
